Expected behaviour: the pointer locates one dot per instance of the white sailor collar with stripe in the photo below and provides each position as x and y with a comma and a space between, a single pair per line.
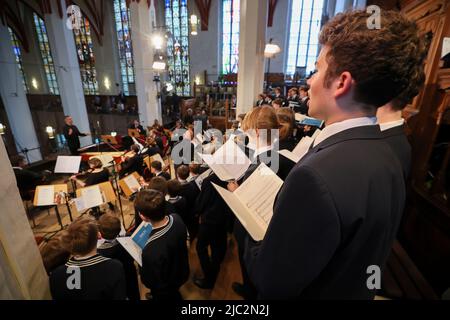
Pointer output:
162, 231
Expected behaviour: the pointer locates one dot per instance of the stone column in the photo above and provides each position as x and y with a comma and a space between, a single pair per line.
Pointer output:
15, 100
252, 38
141, 36
62, 45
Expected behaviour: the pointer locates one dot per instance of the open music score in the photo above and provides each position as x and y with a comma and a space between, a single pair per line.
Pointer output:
130, 184
300, 149
88, 197
67, 164
252, 202
229, 162
49, 195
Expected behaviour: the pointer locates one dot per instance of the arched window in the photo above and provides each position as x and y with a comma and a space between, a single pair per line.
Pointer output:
230, 35
123, 26
86, 59
47, 59
18, 54
305, 20
178, 45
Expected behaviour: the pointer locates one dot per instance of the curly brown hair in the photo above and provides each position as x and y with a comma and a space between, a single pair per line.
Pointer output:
381, 61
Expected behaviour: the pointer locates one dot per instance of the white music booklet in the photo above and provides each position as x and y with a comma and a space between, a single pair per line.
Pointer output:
252, 202
229, 162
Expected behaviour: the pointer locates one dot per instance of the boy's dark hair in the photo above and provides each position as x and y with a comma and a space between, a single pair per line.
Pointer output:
173, 187
278, 102
156, 165
109, 226
158, 183
194, 168
81, 236
381, 61
304, 88
95, 162
54, 253
183, 172
151, 204
17, 160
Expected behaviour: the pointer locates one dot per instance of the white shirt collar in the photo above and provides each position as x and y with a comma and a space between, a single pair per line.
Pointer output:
391, 124
337, 127
182, 181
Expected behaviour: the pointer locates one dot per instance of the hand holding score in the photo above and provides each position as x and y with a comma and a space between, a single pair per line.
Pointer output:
232, 185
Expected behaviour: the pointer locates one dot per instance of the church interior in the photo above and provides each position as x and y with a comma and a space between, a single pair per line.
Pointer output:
116, 116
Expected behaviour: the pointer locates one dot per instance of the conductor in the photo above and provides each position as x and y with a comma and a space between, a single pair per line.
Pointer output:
72, 134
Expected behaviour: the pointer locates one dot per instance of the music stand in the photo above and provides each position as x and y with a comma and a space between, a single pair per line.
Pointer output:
134, 133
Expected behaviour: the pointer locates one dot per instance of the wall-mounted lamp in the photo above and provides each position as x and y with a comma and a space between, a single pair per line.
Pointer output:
197, 80
34, 83
194, 25
50, 131
158, 41
107, 83
2, 129
113, 134
271, 50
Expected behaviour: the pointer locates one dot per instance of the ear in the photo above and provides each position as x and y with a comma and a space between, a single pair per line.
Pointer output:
144, 218
343, 84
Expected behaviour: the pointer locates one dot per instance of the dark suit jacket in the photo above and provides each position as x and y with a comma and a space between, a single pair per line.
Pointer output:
395, 137
336, 214
212, 208
165, 175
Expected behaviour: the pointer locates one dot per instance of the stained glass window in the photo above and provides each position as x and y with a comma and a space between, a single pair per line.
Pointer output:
47, 59
86, 58
123, 26
304, 31
178, 45
230, 36
18, 54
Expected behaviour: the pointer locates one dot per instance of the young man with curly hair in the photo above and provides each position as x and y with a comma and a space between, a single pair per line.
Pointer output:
339, 209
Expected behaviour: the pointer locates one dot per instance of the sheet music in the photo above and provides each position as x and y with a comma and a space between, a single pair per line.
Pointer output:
136, 243
132, 183
199, 138
67, 164
92, 197
46, 196
300, 149
252, 202
229, 162
258, 192
79, 204
132, 248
